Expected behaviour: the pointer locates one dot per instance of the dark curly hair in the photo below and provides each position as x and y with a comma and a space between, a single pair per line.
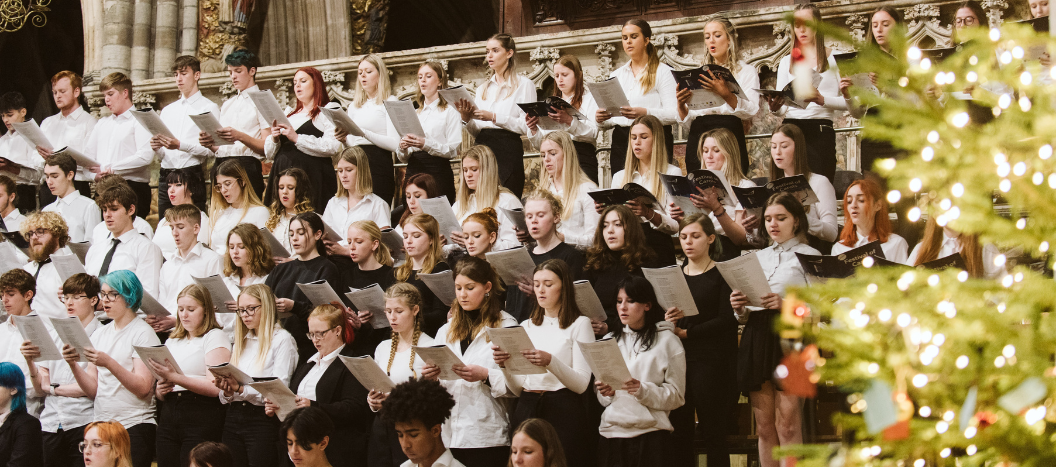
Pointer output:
418, 399
635, 251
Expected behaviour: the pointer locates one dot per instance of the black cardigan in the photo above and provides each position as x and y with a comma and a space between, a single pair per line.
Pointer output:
20, 441
344, 399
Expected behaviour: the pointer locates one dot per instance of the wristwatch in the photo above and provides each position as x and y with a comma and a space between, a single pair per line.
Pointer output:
54, 386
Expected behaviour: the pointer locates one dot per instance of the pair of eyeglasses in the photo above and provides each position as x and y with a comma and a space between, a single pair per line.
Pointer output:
968, 21
319, 335
37, 233
227, 184
249, 310
109, 296
70, 298
94, 445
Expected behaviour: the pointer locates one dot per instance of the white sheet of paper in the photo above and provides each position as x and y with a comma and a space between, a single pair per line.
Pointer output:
71, 332
609, 95
606, 362
82, 160
67, 265
80, 249
671, 288
745, 273
369, 373
440, 356
588, 302
440, 209
31, 132
371, 298
278, 393
442, 284
330, 233
33, 329
208, 123
320, 293
277, 249
404, 118
512, 265
231, 371
342, 121
9, 257
455, 93
150, 120
217, 291
517, 216
513, 340
392, 239
269, 107
151, 306
160, 354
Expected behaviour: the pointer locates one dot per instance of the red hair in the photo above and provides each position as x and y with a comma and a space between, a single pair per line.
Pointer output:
881, 222
319, 94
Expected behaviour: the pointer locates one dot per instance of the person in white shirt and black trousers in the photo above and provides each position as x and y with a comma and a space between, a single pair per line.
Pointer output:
431, 153
325, 382
68, 128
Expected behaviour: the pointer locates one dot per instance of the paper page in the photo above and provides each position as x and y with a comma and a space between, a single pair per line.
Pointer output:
442, 284
392, 239
588, 302
230, 371
372, 299
275, 391
9, 258
277, 249
82, 160
33, 329
369, 373
517, 216
514, 340
404, 118
331, 234
342, 121
17, 240
440, 356
609, 95
512, 265
67, 265
151, 306
320, 293
31, 132
80, 249
71, 332
440, 209
606, 362
268, 107
456, 93
160, 354
745, 273
150, 120
208, 123
217, 291
671, 288
706, 178
798, 186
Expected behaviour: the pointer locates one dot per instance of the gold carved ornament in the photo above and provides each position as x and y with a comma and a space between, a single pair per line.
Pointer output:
15, 13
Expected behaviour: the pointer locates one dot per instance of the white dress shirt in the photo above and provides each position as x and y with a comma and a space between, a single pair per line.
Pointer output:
190, 353
180, 271
80, 213
177, 117
317, 146
373, 119
307, 387
239, 113
579, 228
782, 268
443, 131
120, 144
585, 131
822, 215
135, 253
748, 80
15, 148
568, 367
100, 233
66, 412
13, 220
231, 217
445, 460
660, 102
745, 183
478, 420
502, 101
829, 88
667, 224
280, 362
507, 236
370, 208
46, 301
951, 245
112, 400
400, 369
71, 131
164, 240
895, 248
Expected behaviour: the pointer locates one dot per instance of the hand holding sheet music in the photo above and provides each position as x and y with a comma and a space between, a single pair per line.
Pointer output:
161, 355
71, 331
372, 299
277, 393
217, 291
404, 118
609, 95
151, 121
32, 133
32, 329
606, 362
745, 273
369, 373
442, 357
269, 107
514, 340
208, 123
671, 288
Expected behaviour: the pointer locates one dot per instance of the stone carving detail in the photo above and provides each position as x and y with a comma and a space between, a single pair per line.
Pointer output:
95, 105
142, 100
335, 87
227, 90
857, 24
771, 56
543, 66
368, 25
667, 47
924, 23
993, 11
605, 65
221, 29
281, 88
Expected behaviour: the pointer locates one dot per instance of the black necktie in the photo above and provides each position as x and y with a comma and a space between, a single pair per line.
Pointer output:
3, 225
40, 266
109, 257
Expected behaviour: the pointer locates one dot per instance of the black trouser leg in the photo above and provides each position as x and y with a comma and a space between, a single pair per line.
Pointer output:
144, 198
142, 438
185, 420
252, 436
60, 448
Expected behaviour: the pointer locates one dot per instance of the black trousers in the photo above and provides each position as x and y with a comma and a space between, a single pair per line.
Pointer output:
46, 198
620, 142
652, 449
142, 438
711, 394
26, 198
706, 123
252, 436
436, 167
567, 412
821, 144
382, 174
186, 419
587, 155
496, 456
163, 189
144, 198
254, 170
60, 448
509, 153
385, 449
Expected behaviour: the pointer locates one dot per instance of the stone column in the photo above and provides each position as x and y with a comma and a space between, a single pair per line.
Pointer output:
141, 35
117, 36
189, 29
165, 46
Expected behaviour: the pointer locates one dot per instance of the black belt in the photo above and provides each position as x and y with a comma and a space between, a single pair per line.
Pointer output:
188, 396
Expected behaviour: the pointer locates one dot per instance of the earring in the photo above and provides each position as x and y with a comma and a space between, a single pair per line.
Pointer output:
487, 294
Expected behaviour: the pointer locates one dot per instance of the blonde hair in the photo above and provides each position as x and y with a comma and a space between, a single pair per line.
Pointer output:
247, 198
334, 317
731, 55
658, 161
410, 296
509, 75
488, 188
209, 322
572, 176
372, 230
356, 156
431, 228
730, 149
550, 198
384, 84
266, 328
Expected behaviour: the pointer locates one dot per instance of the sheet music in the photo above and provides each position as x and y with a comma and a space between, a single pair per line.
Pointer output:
514, 340
442, 284
32, 133
151, 306
371, 298
455, 93
268, 107
9, 258
609, 95
671, 288
606, 362
369, 373
512, 265
80, 249
517, 216
404, 118
33, 329
392, 239
319, 293
67, 265
82, 160
440, 209
342, 121
158, 353
150, 120
217, 291
745, 273
441, 356
208, 123
277, 393
588, 302
229, 370
331, 234
71, 332
277, 249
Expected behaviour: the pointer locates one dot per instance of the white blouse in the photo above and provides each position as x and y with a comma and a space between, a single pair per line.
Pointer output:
748, 80
507, 236
373, 119
400, 369
668, 224
503, 103
280, 362
339, 217
951, 245
231, 217
579, 228
568, 367
443, 131
660, 102
585, 131
895, 248
782, 268
822, 215
190, 352
829, 88
318, 146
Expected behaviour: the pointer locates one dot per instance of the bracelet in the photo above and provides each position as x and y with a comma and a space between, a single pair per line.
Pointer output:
720, 214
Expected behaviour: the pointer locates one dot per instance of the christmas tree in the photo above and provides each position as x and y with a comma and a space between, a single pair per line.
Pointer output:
941, 369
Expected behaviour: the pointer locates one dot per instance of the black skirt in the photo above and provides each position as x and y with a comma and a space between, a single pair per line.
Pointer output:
620, 139
509, 153
653, 449
320, 170
760, 351
587, 155
438, 167
382, 175
821, 144
706, 123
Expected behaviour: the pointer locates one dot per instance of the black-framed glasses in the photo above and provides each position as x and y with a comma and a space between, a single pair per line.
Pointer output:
318, 335
69, 298
249, 310
94, 445
37, 233
109, 296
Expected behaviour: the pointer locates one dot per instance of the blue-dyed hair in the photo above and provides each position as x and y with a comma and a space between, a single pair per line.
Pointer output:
128, 285
242, 57
11, 378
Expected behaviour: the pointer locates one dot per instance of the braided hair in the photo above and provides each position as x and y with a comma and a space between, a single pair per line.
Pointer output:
413, 299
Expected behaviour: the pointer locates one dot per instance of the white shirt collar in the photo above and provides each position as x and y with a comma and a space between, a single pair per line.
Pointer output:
329, 358
195, 252
70, 198
788, 245
76, 114
191, 100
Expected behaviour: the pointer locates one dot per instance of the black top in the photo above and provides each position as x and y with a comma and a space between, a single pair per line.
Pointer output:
520, 305
434, 311
712, 334
283, 281
606, 284
20, 441
344, 399
367, 338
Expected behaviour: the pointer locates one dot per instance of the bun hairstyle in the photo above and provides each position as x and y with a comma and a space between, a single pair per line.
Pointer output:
413, 299
487, 217
648, 79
